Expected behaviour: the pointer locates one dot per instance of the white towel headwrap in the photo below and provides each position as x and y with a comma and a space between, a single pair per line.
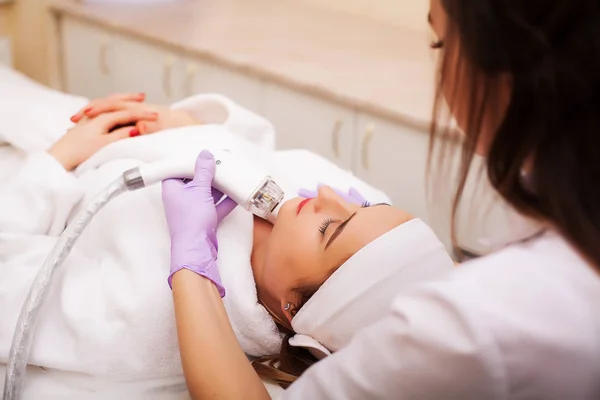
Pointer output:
363, 288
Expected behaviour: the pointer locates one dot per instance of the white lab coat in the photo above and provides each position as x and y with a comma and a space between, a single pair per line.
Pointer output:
523, 323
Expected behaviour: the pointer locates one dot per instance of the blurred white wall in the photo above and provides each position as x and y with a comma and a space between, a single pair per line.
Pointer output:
407, 13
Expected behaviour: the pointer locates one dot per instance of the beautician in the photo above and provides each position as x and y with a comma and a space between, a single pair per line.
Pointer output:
522, 79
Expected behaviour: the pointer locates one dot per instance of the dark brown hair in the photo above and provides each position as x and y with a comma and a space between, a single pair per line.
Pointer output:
291, 362
550, 52
283, 369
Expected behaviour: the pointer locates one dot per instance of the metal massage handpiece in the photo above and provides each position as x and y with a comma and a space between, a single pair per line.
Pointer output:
236, 176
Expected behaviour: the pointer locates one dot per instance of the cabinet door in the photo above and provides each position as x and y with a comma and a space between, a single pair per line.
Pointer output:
88, 62
305, 122
393, 158
144, 67
203, 77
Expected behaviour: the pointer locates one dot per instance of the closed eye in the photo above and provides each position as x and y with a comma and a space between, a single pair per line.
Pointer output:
342, 226
324, 225
327, 222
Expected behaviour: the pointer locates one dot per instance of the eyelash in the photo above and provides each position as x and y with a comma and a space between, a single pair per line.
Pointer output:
325, 224
437, 45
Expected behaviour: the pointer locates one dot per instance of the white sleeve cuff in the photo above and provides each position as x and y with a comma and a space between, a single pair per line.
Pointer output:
43, 169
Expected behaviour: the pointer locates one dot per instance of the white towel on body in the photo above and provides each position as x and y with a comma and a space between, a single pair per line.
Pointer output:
109, 313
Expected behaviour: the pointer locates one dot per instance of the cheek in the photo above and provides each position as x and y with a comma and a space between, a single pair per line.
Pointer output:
288, 254
484, 142
284, 249
279, 255
456, 99
457, 91
274, 278
293, 249
273, 281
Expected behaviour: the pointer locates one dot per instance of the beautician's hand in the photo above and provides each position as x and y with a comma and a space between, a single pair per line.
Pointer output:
90, 135
193, 217
167, 117
352, 196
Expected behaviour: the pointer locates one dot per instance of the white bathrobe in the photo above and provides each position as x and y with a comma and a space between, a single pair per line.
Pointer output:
108, 320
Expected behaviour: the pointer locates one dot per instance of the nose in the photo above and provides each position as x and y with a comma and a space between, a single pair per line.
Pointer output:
328, 200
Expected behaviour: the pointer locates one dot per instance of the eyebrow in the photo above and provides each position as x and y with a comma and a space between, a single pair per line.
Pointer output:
338, 231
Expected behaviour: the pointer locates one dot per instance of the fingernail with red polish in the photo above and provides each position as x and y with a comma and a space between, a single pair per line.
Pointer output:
73, 118
134, 132
87, 110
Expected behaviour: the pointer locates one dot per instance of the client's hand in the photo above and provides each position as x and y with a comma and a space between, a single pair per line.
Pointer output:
90, 135
193, 217
119, 97
167, 118
353, 196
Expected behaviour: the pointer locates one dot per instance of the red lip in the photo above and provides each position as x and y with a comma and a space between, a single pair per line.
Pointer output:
302, 204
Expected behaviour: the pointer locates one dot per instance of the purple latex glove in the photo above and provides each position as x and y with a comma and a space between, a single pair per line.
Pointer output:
353, 196
193, 217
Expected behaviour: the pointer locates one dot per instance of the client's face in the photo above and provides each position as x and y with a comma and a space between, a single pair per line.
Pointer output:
312, 238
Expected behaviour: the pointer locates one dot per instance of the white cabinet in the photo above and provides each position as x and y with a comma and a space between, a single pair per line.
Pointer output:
88, 67
148, 68
202, 77
305, 122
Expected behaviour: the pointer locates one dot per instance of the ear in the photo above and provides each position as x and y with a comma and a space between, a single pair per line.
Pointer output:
310, 344
290, 305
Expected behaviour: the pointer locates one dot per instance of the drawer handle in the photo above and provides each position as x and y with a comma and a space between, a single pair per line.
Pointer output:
189, 80
167, 77
366, 143
335, 137
103, 58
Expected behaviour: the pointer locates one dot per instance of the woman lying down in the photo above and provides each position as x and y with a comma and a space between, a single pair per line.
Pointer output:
295, 291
